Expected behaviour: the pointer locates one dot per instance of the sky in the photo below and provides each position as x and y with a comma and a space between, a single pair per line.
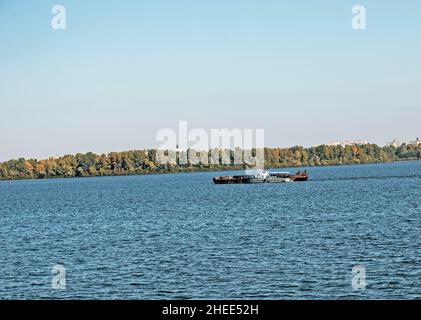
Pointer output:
123, 70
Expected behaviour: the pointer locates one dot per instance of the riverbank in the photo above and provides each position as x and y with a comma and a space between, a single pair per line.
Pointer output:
209, 170
143, 162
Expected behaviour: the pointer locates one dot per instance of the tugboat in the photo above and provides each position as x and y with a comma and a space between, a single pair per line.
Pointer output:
263, 177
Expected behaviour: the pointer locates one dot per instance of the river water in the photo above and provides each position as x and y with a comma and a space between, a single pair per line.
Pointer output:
179, 236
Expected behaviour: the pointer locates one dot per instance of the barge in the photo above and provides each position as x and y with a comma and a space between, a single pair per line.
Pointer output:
263, 177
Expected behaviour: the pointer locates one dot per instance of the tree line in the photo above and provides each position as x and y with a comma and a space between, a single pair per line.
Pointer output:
145, 161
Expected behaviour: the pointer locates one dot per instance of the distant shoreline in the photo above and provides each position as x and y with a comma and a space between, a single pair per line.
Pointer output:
143, 162
208, 170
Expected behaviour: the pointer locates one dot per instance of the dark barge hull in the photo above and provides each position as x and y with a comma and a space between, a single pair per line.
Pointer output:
299, 177
232, 180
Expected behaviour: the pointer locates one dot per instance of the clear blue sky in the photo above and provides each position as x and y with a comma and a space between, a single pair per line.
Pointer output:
125, 69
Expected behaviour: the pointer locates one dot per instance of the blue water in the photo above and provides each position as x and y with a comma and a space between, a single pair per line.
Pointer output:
181, 237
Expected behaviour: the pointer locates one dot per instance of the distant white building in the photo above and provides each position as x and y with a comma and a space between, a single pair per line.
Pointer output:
354, 143
416, 142
334, 144
348, 143
395, 143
